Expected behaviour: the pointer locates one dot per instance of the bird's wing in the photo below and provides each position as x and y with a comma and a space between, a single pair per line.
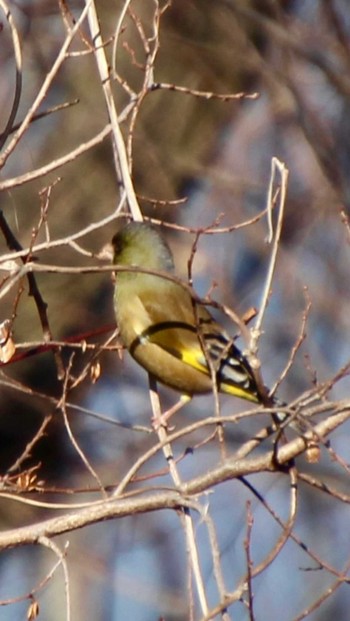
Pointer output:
194, 337
172, 326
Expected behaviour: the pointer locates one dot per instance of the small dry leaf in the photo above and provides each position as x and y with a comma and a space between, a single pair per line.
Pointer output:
33, 611
95, 372
7, 346
27, 481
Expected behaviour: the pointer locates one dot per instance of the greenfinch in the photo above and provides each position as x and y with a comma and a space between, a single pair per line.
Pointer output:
166, 331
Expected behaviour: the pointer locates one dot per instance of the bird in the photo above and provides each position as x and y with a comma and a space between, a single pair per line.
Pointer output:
168, 332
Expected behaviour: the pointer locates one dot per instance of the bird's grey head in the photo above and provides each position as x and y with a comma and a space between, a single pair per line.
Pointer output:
141, 245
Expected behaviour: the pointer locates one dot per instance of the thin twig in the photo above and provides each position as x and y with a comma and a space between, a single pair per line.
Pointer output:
18, 60
156, 86
44, 88
57, 163
34, 291
119, 151
276, 165
185, 514
63, 407
51, 545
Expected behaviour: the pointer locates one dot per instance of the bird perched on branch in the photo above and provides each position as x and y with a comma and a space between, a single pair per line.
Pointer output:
171, 335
